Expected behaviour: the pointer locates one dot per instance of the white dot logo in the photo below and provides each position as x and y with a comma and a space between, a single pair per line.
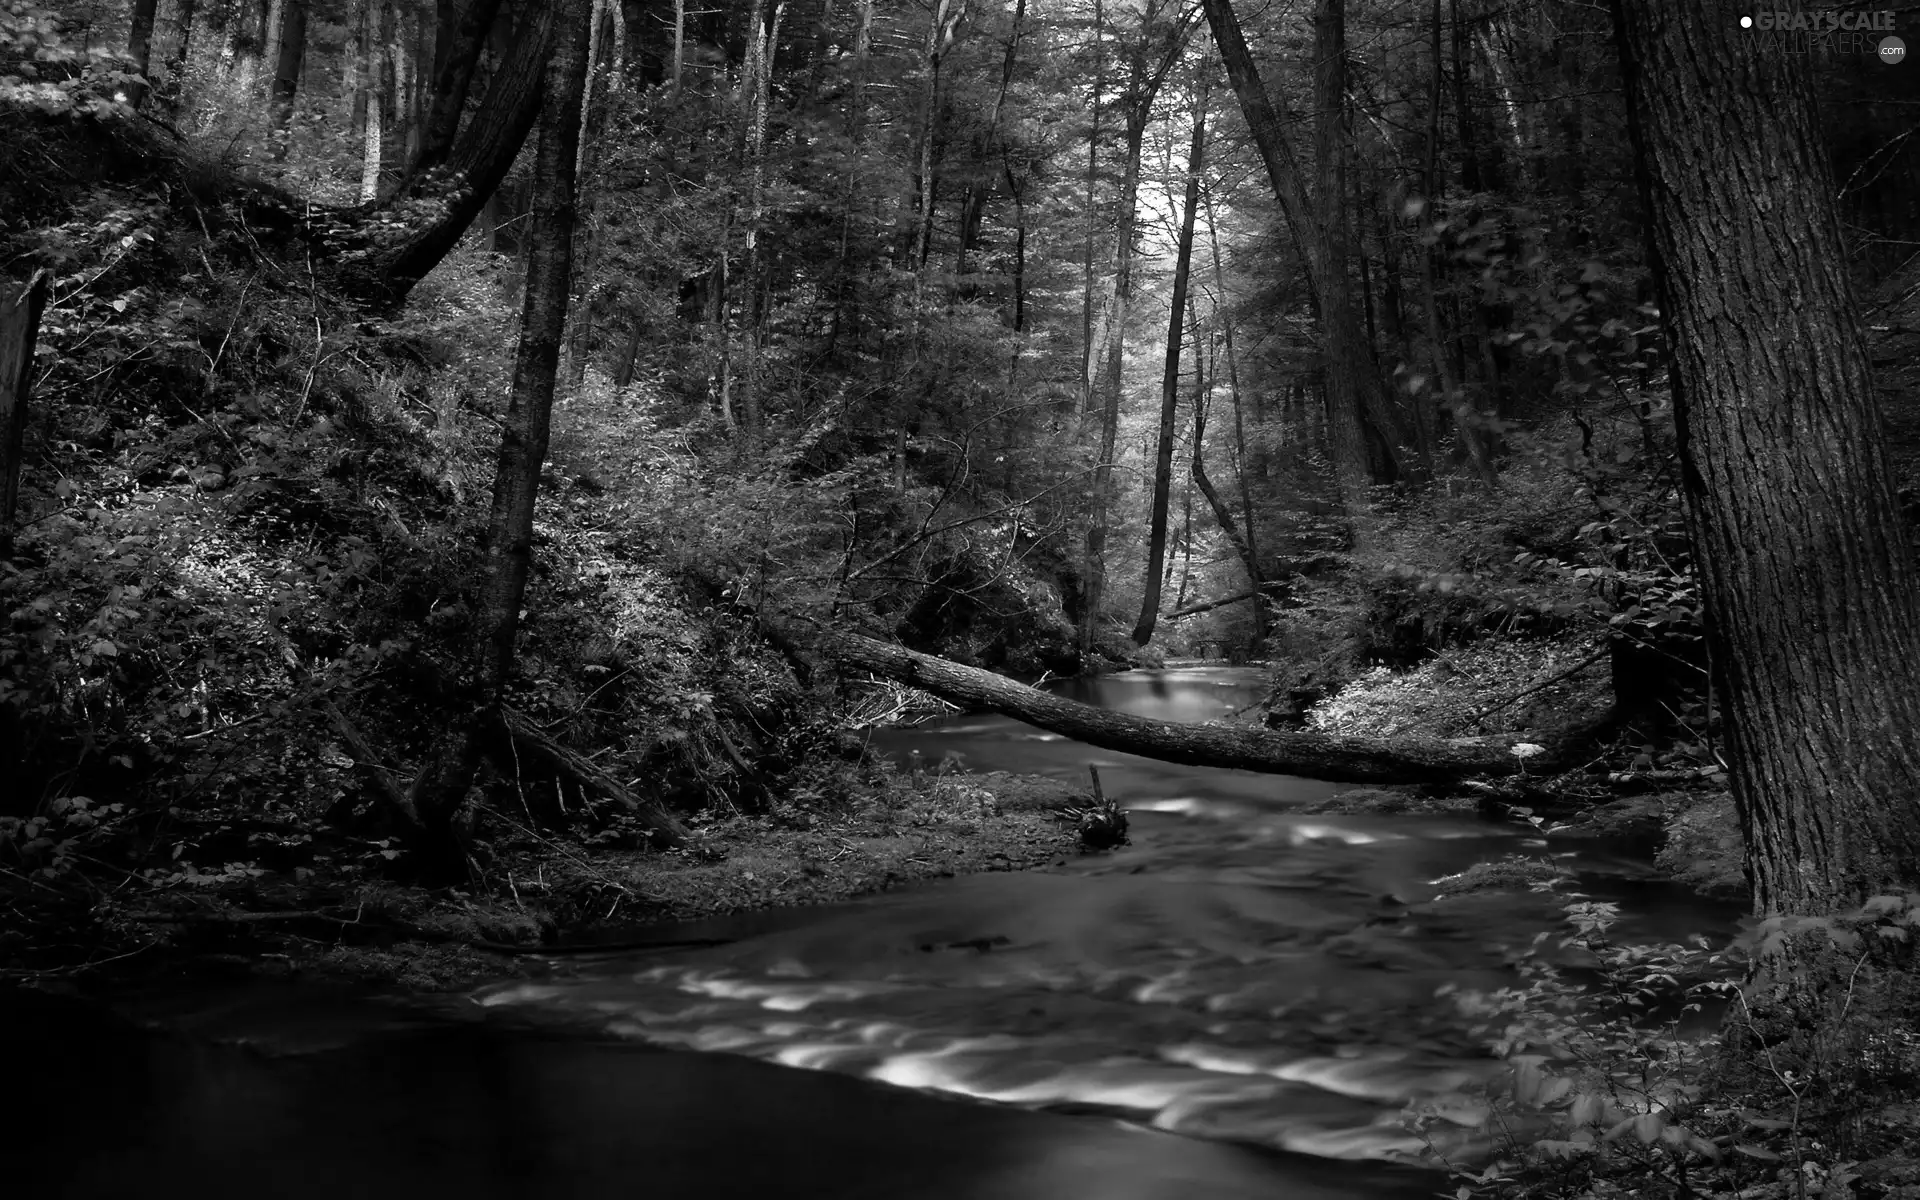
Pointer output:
1746, 22
1892, 50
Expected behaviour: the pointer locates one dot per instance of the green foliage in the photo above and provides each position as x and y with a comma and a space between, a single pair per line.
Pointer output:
41, 70
1600, 1078
1612, 1087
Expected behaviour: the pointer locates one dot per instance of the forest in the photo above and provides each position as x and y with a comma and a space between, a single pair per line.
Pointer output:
1416, 496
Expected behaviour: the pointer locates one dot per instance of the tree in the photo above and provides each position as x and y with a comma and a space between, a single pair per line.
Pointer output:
1151, 53
1170, 383
479, 159
455, 63
440, 792
286, 75
1806, 568
140, 48
1355, 398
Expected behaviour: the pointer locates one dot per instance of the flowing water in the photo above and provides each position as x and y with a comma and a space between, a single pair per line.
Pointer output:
1238, 1004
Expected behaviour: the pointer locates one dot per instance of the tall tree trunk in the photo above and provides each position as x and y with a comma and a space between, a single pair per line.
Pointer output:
1112, 382
765, 33
378, 14
1347, 371
680, 38
402, 49
1806, 568
1472, 177
1143, 83
974, 203
1170, 382
354, 71
140, 48
943, 27
453, 80
439, 795
1087, 298
844, 276
286, 74
1467, 425
270, 40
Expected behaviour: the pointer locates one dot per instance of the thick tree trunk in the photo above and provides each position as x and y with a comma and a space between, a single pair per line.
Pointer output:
453, 79
1808, 575
286, 73
1313, 756
1170, 385
440, 793
140, 48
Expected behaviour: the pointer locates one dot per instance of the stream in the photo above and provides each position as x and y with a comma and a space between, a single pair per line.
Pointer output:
1238, 1004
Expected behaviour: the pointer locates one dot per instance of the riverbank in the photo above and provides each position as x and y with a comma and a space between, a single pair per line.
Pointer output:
541, 891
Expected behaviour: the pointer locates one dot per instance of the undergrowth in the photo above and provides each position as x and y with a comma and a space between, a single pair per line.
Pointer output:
1685, 1071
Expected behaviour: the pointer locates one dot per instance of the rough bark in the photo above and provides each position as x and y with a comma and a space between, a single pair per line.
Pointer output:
453, 80
20, 309
1170, 386
440, 792
1809, 579
1313, 756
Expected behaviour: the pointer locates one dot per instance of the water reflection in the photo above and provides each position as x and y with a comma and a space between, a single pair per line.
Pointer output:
484, 1113
990, 742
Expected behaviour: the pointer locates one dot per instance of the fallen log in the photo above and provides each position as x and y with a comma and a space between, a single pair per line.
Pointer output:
1275, 590
1310, 755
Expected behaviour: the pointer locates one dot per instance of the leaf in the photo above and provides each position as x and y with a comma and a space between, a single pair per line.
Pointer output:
104, 649
1759, 1152
1528, 1080
1647, 1127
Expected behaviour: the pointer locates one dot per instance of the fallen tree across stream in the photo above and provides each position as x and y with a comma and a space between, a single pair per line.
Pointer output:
1410, 759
